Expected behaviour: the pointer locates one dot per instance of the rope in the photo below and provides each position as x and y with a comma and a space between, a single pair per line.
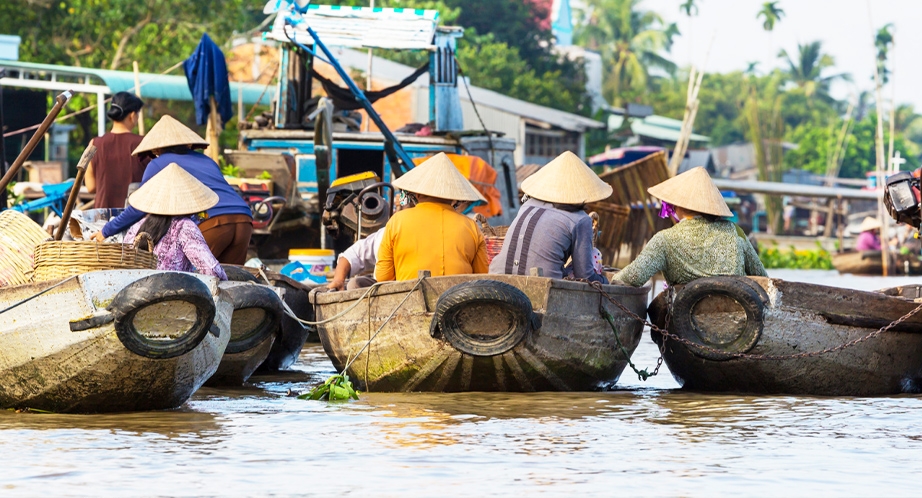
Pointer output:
410, 293
24, 301
90, 108
265, 89
337, 316
694, 345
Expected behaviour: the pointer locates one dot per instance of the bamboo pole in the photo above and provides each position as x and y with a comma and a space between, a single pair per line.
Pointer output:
137, 92
85, 159
879, 145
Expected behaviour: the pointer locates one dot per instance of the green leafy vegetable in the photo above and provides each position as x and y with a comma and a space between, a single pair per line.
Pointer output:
336, 388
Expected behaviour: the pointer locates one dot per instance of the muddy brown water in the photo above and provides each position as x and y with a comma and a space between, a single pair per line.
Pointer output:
646, 438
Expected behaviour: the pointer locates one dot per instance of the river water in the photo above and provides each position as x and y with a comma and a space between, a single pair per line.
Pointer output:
646, 438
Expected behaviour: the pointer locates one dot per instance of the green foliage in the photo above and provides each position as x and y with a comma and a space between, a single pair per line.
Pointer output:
816, 259
631, 42
228, 169
770, 14
336, 388
265, 175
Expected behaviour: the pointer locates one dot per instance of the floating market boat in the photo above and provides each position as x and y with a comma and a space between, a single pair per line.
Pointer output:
291, 334
254, 327
722, 316
108, 341
870, 263
479, 333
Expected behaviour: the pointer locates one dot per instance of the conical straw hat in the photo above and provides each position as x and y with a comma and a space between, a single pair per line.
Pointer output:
438, 177
566, 180
173, 192
693, 190
169, 132
869, 223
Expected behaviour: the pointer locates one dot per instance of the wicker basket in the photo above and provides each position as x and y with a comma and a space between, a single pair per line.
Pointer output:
55, 259
493, 235
18, 237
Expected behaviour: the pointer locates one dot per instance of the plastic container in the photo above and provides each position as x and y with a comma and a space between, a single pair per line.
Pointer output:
317, 262
297, 271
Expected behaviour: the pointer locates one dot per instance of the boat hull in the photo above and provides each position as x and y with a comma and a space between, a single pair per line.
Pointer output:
46, 366
802, 318
870, 263
254, 329
572, 349
292, 335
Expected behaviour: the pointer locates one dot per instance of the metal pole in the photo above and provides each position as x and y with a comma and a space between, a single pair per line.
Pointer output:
59, 103
137, 92
100, 114
3, 198
404, 162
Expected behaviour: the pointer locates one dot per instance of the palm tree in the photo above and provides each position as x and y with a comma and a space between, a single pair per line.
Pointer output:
690, 10
882, 42
630, 41
807, 70
772, 14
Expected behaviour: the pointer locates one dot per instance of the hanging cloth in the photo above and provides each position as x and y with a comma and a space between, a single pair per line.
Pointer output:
343, 99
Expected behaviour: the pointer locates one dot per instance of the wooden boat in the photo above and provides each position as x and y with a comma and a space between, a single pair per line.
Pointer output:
479, 333
722, 316
107, 341
292, 335
870, 263
254, 327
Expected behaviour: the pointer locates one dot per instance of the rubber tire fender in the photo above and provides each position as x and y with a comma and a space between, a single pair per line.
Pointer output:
238, 274
455, 299
158, 288
255, 296
748, 294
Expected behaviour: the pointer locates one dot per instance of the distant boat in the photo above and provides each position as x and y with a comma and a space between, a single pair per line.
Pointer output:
109, 341
871, 263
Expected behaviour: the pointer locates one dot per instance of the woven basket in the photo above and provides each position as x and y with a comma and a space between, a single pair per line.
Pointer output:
18, 237
493, 235
55, 259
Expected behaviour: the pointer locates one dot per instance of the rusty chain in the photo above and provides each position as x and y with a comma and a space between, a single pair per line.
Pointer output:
749, 356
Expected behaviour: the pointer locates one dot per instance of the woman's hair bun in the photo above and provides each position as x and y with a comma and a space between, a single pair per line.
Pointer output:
123, 104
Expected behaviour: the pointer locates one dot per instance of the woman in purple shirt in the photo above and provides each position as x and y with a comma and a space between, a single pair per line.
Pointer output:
869, 240
171, 198
228, 225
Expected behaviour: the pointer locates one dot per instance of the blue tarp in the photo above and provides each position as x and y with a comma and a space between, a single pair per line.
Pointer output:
206, 72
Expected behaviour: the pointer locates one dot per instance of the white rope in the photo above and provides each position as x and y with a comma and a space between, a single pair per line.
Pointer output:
337, 316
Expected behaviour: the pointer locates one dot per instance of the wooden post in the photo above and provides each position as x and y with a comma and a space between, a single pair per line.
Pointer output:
75, 190
137, 92
213, 131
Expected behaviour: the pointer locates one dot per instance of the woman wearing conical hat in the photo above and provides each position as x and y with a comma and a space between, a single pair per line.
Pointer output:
432, 236
171, 198
551, 226
869, 239
228, 225
701, 244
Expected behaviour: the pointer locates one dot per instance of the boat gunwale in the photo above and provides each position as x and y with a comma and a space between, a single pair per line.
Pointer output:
319, 296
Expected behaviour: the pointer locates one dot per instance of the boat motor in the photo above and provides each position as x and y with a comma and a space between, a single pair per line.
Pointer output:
357, 203
903, 197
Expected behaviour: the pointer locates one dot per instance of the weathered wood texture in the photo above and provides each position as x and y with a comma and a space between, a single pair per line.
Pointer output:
805, 318
292, 335
574, 348
44, 365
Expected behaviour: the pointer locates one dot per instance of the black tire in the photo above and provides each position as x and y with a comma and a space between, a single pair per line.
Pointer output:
237, 274
490, 295
254, 296
159, 288
748, 294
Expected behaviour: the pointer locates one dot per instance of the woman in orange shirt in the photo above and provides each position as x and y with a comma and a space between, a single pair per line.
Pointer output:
432, 236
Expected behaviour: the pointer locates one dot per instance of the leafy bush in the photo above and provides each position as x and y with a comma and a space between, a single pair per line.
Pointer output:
801, 259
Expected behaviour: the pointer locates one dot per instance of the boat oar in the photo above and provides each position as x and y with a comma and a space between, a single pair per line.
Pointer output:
85, 159
59, 103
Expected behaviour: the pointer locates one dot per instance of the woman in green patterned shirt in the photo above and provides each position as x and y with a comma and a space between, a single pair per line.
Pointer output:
701, 244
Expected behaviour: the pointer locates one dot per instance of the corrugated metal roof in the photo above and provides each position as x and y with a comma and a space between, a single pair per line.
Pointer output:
154, 86
561, 119
361, 27
658, 127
